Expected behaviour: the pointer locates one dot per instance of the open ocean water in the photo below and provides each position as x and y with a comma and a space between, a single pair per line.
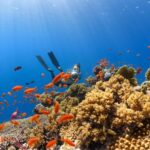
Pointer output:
77, 31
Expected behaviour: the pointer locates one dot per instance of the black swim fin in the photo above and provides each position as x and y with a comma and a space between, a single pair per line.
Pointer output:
42, 62
54, 61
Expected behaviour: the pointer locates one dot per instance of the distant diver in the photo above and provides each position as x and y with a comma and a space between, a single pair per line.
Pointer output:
75, 71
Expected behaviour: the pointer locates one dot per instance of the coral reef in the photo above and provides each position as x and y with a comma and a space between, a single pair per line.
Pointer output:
109, 110
128, 73
68, 103
145, 86
102, 72
45, 99
74, 95
77, 90
91, 80
97, 69
137, 140
38, 131
147, 74
110, 115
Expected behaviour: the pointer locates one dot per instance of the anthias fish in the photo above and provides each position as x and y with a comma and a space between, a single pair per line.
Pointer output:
17, 88
30, 91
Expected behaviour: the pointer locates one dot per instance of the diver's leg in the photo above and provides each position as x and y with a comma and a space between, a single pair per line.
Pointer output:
43, 63
54, 61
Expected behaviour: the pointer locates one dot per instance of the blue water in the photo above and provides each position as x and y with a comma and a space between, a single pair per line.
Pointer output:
82, 31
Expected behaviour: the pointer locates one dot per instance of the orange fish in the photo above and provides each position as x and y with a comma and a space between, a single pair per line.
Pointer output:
35, 118
1, 103
45, 112
66, 76
48, 100
1, 139
24, 114
30, 91
17, 88
148, 46
65, 85
64, 118
52, 93
56, 107
51, 143
2, 126
76, 80
33, 141
15, 123
58, 77
67, 141
48, 86
37, 95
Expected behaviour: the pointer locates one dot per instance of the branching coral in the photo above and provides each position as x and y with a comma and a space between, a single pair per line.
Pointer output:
74, 95
68, 103
91, 80
110, 109
110, 113
131, 113
138, 140
77, 90
92, 115
128, 73
45, 99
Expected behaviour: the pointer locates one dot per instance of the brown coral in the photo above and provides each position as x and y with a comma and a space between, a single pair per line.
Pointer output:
138, 140
110, 109
77, 90
128, 73
68, 103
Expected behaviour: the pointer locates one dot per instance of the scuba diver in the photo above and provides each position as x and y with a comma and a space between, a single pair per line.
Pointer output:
75, 72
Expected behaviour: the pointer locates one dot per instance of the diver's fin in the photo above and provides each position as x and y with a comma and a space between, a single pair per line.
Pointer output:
42, 62
54, 61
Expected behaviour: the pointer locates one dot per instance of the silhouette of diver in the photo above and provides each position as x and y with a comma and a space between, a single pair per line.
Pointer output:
75, 72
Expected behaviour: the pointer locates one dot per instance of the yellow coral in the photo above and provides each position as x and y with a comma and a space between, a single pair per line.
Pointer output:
68, 103
138, 141
109, 108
